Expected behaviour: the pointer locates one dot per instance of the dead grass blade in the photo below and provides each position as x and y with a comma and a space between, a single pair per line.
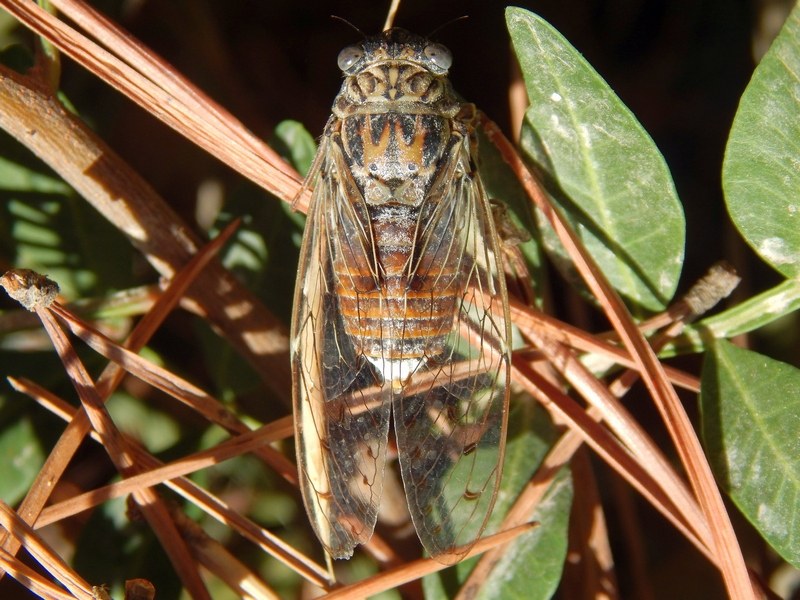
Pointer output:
193, 493
219, 561
31, 580
417, 569
43, 554
533, 323
180, 389
230, 448
120, 453
70, 439
626, 428
725, 544
609, 448
132, 69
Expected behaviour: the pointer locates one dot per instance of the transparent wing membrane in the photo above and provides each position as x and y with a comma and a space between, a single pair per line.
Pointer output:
342, 415
450, 434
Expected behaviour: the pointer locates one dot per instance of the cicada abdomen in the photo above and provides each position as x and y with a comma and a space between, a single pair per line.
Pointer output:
398, 303
400, 307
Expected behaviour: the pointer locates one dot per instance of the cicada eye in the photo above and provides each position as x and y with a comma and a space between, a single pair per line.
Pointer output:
439, 56
349, 56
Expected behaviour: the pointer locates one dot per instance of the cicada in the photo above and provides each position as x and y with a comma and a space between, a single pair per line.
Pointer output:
400, 307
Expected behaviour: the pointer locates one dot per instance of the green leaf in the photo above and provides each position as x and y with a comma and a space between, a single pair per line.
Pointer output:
761, 171
45, 227
14, 176
156, 430
751, 419
599, 165
296, 144
532, 565
21, 457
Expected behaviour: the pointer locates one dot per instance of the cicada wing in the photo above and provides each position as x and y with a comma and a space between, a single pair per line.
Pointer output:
341, 410
450, 417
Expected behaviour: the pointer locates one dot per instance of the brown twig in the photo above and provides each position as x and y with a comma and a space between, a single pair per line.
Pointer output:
30, 579
120, 60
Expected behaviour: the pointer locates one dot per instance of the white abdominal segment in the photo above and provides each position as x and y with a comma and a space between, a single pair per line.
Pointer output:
396, 371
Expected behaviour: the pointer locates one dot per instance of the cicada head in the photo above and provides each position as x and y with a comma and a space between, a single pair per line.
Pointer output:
395, 44
395, 68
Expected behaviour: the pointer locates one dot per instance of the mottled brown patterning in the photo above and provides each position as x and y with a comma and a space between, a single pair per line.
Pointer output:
400, 307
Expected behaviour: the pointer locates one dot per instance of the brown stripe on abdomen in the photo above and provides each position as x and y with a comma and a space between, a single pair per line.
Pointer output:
409, 314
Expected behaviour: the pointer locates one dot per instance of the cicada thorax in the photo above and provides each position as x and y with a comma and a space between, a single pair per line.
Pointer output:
398, 302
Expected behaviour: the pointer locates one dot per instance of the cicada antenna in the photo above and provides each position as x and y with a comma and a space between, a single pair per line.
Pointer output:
446, 24
393, 7
349, 24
